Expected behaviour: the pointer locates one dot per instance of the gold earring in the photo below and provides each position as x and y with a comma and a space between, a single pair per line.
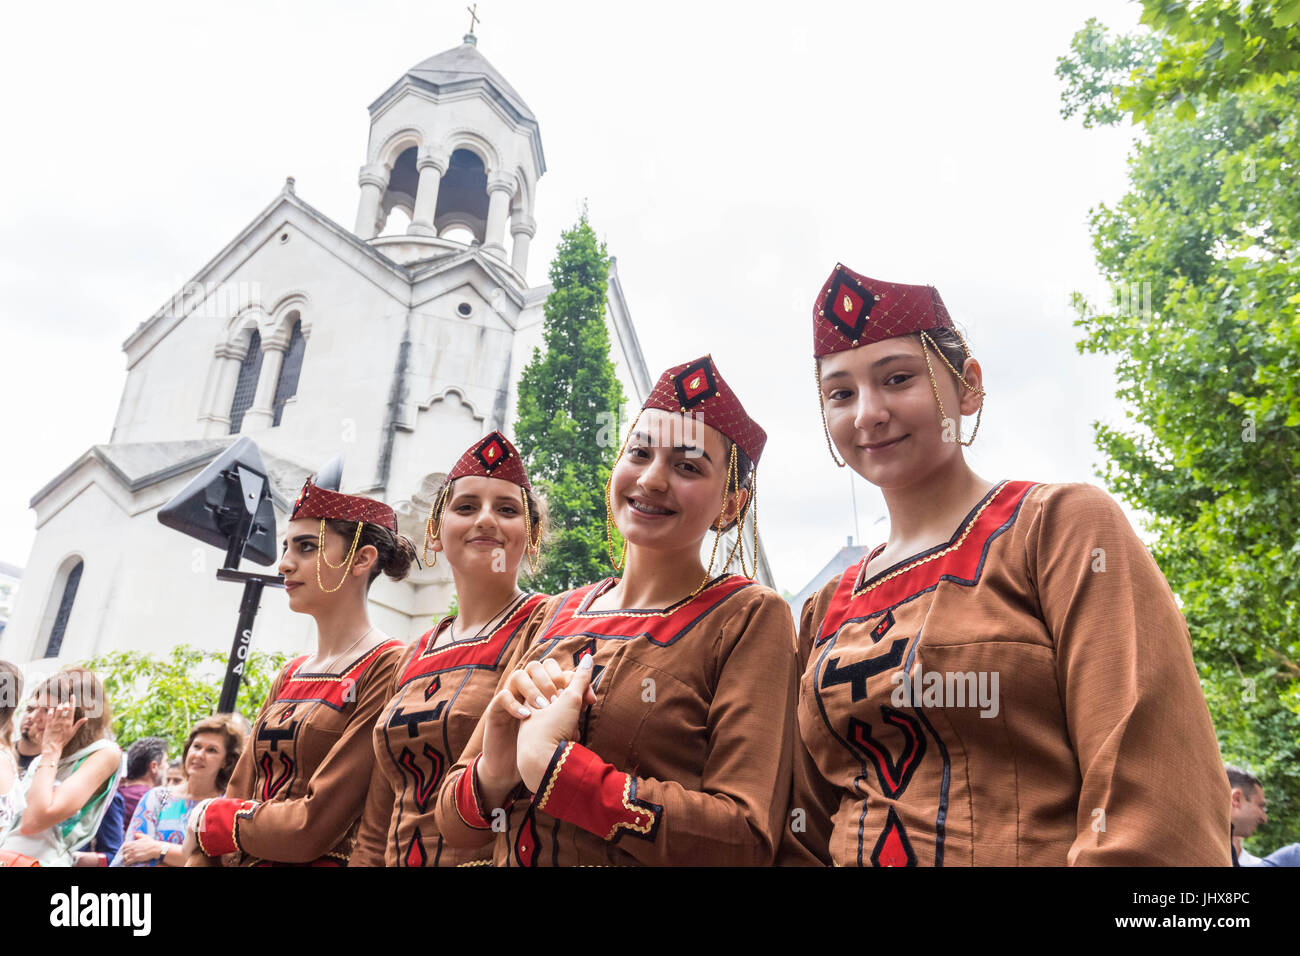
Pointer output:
821, 408
433, 525
531, 546
943, 415
717, 527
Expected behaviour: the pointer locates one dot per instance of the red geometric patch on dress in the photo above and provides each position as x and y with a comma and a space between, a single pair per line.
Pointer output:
893, 848
415, 855
288, 712
434, 686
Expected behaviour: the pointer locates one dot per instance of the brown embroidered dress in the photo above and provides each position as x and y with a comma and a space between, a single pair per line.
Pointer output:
437, 696
685, 756
1021, 695
297, 793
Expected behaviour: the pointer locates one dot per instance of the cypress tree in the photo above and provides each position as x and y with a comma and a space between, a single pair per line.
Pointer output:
568, 396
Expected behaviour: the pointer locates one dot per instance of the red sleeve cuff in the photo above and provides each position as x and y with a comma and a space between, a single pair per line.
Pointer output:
216, 830
469, 802
580, 788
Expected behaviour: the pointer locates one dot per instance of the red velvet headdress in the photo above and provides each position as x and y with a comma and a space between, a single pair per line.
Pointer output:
853, 310
492, 457
314, 502
697, 389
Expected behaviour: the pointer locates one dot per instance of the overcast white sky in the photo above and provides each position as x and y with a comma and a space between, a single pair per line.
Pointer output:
729, 155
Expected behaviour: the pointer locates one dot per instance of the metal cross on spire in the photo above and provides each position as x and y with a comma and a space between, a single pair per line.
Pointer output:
473, 17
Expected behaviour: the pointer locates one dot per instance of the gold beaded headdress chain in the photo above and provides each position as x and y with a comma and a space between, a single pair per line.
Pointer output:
346, 563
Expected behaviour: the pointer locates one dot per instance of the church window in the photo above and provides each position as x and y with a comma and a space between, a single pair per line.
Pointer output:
287, 387
65, 611
465, 309
246, 385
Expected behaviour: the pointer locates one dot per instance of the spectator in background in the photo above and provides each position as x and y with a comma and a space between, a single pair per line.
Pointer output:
11, 690
175, 775
146, 764
145, 761
157, 827
28, 745
68, 788
1249, 810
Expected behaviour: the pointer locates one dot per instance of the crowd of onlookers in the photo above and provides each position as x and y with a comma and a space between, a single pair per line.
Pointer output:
70, 797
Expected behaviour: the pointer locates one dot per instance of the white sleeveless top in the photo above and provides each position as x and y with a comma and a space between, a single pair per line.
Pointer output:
11, 803
56, 845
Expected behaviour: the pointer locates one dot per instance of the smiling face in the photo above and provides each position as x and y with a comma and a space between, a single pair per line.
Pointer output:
483, 530
882, 414
666, 489
204, 760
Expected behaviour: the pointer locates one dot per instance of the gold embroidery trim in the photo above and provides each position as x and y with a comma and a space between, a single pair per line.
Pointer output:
857, 592
345, 675
555, 775
637, 811
666, 612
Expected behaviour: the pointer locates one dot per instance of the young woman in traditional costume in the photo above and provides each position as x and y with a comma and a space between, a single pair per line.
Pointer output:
484, 519
1008, 679
648, 718
298, 790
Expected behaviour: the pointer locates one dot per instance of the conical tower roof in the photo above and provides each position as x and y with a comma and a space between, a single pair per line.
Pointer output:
464, 67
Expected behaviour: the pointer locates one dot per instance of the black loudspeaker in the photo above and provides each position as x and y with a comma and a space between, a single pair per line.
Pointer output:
228, 505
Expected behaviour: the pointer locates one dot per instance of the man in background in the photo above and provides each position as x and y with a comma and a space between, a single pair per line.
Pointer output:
1249, 810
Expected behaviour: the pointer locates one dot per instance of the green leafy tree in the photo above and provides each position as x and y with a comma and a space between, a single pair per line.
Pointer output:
1206, 336
164, 696
569, 400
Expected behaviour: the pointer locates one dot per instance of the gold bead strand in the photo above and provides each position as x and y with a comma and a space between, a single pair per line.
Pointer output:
821, 408
346, 565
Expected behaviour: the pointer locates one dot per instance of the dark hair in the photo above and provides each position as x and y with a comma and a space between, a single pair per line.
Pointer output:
396, 553
231, 728
1242, 780
92, 704
142, 753
11, 691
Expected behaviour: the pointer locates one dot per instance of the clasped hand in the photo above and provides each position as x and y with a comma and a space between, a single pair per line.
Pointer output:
538, 707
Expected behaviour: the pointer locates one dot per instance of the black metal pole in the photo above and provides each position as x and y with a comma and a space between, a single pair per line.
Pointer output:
239, 650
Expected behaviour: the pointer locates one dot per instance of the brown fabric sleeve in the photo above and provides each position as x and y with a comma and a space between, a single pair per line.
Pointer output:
806, 841
304, 829
453, 828
738, 814
240, 784
372, 835
1153, 787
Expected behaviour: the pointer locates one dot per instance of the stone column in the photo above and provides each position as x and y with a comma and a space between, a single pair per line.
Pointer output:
262, 413
373, 180
522, 228
216, 404
431, 169
500, 189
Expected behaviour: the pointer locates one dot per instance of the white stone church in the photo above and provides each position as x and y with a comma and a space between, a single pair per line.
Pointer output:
313, 339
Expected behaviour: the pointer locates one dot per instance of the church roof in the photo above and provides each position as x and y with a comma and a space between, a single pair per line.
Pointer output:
463, 67
845, 558
140, 465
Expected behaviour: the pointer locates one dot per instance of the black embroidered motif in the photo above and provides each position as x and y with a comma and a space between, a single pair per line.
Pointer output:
857, 674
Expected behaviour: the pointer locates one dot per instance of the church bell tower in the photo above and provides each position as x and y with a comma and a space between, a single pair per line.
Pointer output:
456, 149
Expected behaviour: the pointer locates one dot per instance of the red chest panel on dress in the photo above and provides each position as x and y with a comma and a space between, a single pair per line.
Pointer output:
659, 627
